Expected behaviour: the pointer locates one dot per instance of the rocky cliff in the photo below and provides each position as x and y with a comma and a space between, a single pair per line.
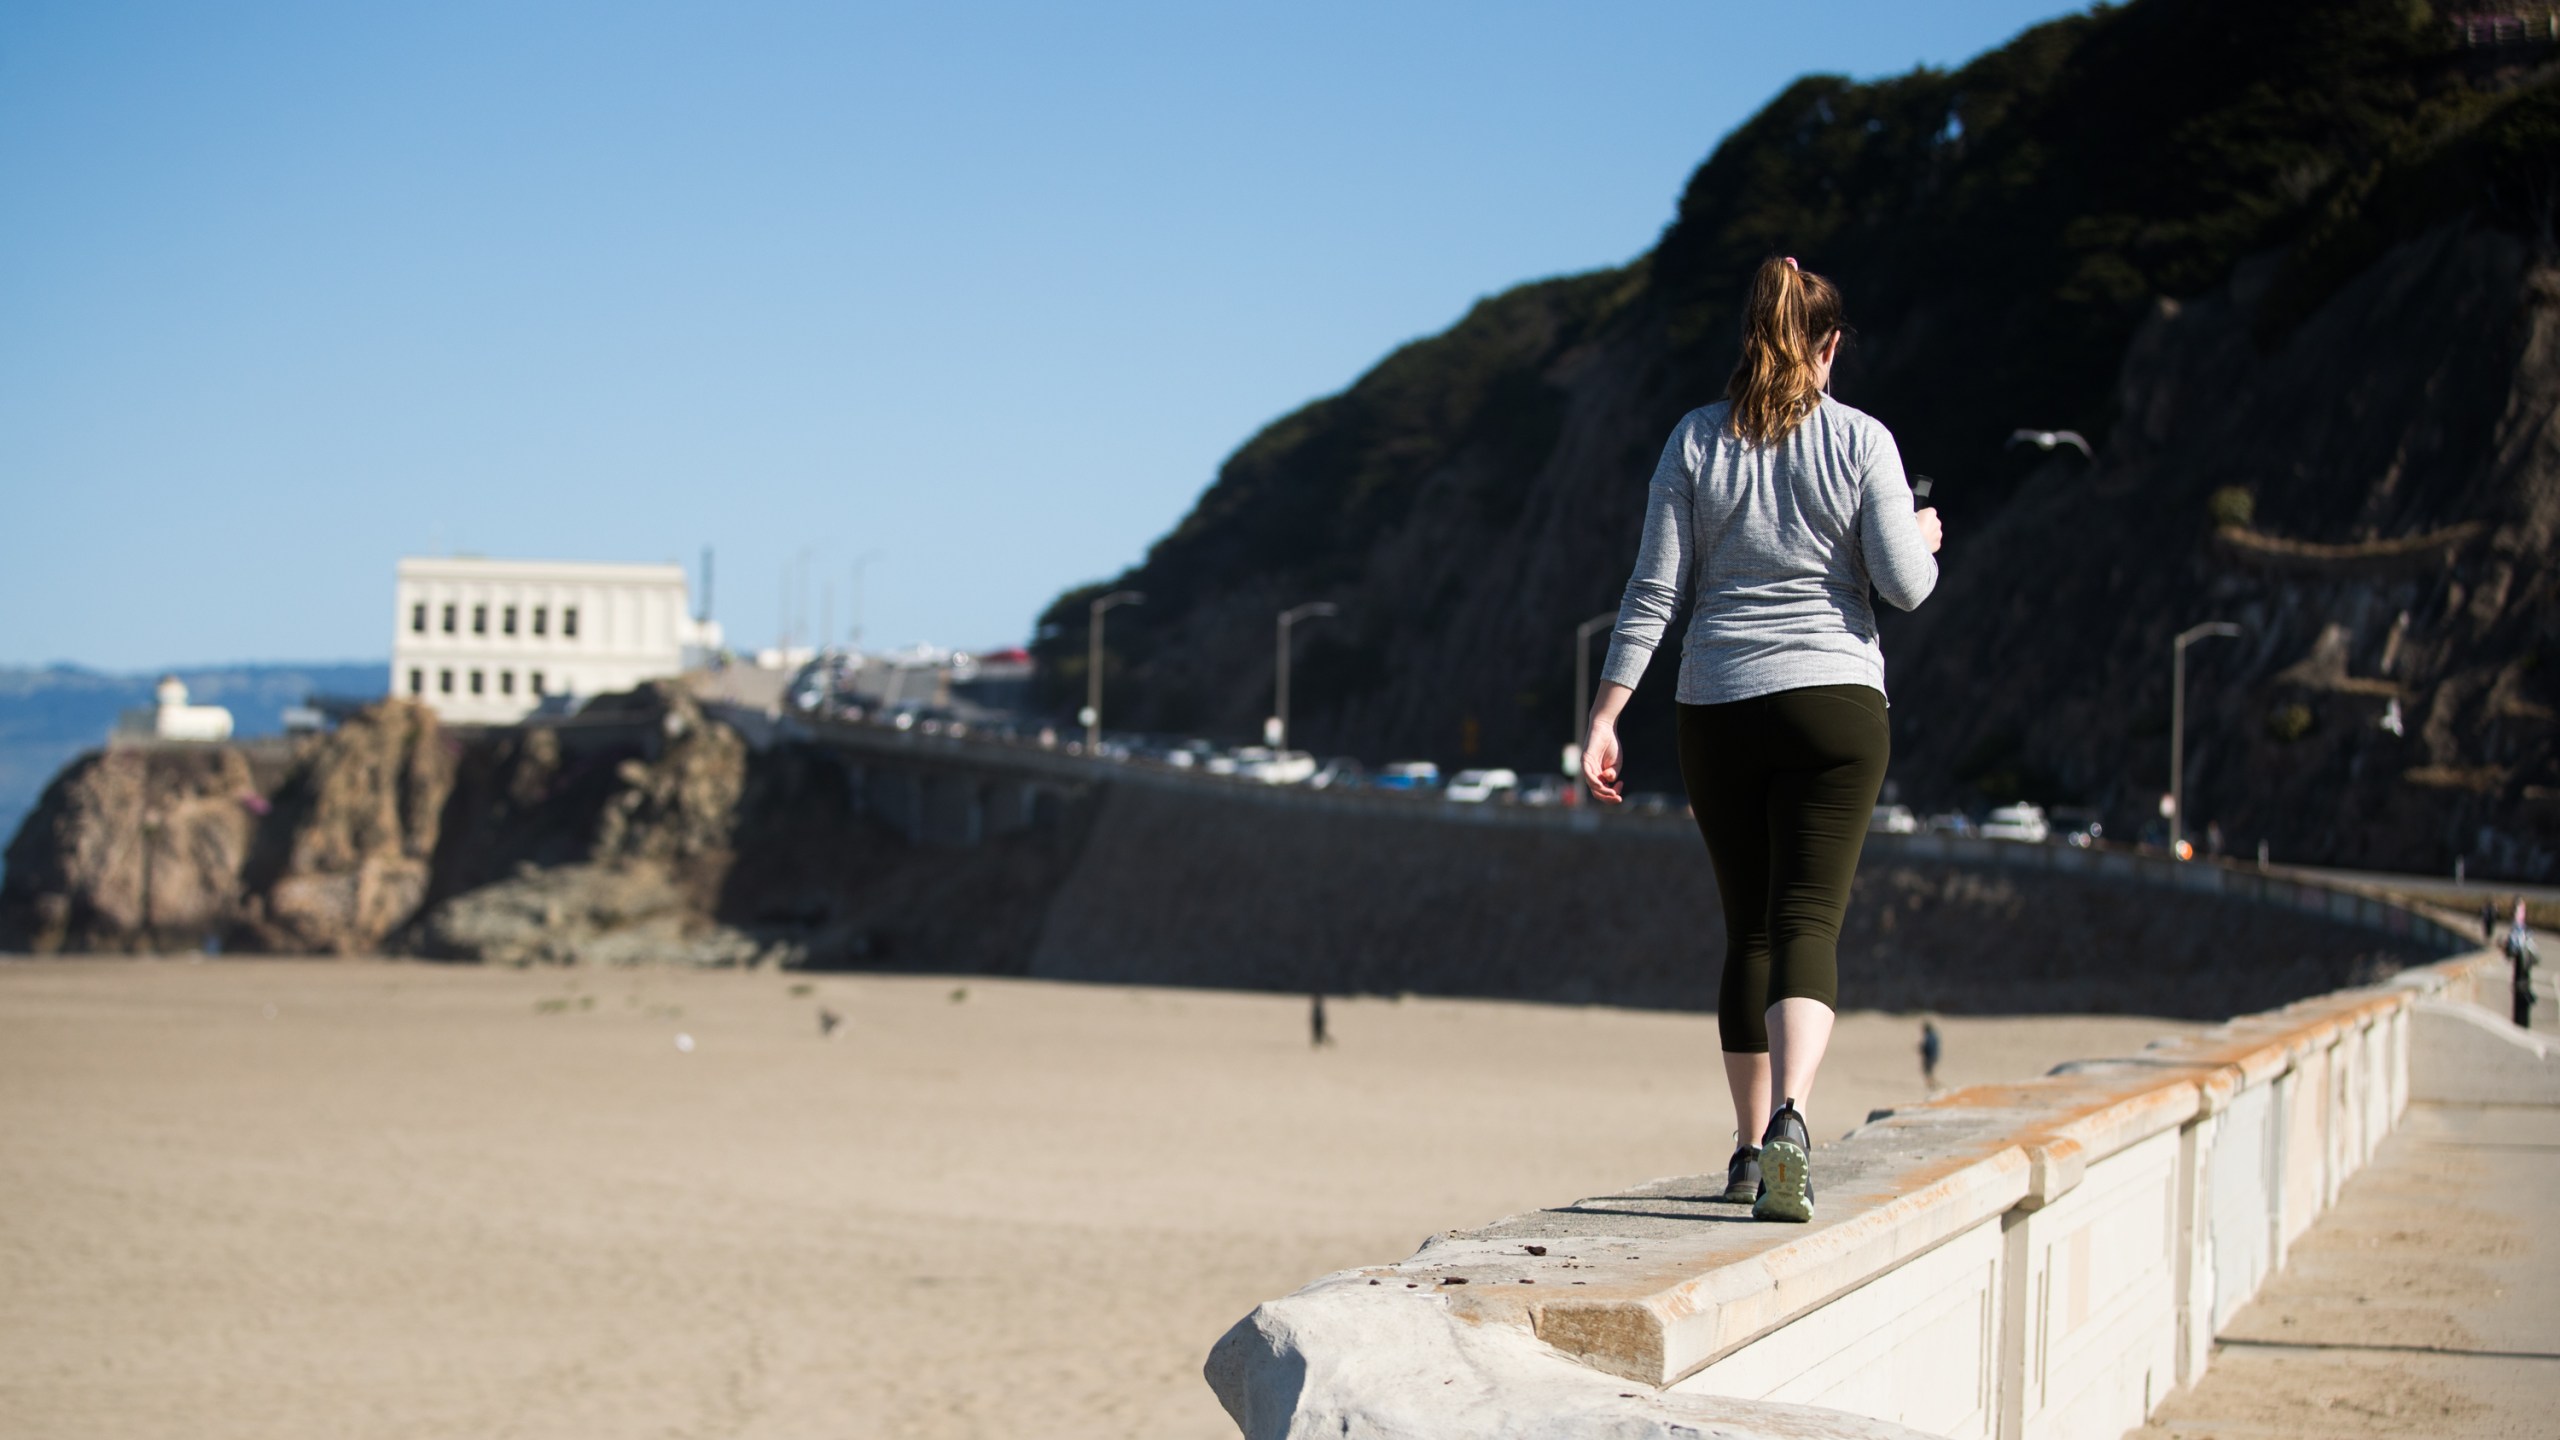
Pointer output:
612, 835
134, 849
311, 846
645, 830
2375, 500
342, 853
2290, 269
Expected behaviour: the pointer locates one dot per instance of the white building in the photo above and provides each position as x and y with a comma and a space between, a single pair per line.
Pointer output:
170, 717
485, 641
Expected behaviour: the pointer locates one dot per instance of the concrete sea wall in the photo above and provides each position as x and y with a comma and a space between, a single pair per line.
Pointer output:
1130, 874
2009, 1262
1184, 883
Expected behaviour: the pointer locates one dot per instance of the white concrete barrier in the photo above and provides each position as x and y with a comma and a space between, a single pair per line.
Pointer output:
2011, 1262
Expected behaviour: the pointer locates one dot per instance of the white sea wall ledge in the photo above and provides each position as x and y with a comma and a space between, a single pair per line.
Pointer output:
2050, 1258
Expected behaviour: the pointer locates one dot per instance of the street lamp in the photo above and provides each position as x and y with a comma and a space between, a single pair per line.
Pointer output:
1582, 634
152, 824
861, 572
1093, 665
2211, 629
1313, 610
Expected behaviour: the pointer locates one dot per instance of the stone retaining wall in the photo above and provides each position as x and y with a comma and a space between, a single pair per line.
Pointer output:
1184, 883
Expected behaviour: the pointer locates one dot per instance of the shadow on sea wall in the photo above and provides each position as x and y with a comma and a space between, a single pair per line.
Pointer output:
1175, 888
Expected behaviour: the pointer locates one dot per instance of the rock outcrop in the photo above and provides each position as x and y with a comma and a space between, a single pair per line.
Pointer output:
607, 840
346, 844
629, 913
135, 848
317, 846
2388, 704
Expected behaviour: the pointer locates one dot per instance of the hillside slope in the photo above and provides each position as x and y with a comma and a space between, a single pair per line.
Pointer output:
2299, 254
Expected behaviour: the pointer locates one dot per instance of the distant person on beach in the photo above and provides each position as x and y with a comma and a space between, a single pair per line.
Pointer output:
1317, 1036
1929, 1050
1771, 516
2488, 920
2520, 962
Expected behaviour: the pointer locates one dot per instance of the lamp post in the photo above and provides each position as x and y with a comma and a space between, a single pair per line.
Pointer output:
1313, 610
152, 821
861, 573
1093, 664
2211, 629
1582, 634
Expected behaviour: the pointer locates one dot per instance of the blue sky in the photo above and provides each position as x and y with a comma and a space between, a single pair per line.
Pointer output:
288, 291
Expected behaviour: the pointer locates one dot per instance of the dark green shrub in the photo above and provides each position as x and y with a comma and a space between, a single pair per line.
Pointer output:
2232, 507
2289, 722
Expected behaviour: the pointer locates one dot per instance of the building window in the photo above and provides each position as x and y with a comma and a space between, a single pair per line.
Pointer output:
506, 682
444, 682
418, 678
475, 682
449, 611
541, 618
418, 618
479, 619
533, 681
507, 621
568, 622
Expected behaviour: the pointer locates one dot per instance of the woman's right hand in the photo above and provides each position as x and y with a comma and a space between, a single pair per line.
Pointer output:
1600, 760
1930, 529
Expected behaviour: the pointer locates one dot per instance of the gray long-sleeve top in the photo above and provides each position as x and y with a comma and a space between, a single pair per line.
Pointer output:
1777, 546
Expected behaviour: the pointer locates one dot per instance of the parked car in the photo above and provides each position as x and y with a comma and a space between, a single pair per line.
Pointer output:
1474, 787
1281, 767
1893, 820
1408, 775
1546, 790
2076, 825
2021, 822
1950, 822
1339, 773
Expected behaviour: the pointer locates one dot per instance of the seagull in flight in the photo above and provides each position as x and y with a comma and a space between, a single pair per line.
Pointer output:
2047, 439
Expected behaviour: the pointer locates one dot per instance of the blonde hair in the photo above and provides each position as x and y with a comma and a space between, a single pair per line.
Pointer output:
1784, 322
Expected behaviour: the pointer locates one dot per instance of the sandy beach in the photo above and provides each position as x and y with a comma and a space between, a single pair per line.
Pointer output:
312, 1199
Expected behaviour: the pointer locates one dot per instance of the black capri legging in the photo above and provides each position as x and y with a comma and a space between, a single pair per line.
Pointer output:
1784, 786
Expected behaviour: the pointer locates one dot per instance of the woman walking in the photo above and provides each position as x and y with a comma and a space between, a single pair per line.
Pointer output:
1772, 515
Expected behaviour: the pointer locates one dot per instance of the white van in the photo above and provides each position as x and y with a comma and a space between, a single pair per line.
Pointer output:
2025, 823
1893, 820
1474, 787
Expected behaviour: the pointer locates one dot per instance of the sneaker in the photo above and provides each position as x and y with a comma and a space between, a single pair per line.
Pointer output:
1786, 1174
1742, 1175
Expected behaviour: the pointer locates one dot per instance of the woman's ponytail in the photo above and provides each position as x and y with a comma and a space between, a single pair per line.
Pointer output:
1788, 316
